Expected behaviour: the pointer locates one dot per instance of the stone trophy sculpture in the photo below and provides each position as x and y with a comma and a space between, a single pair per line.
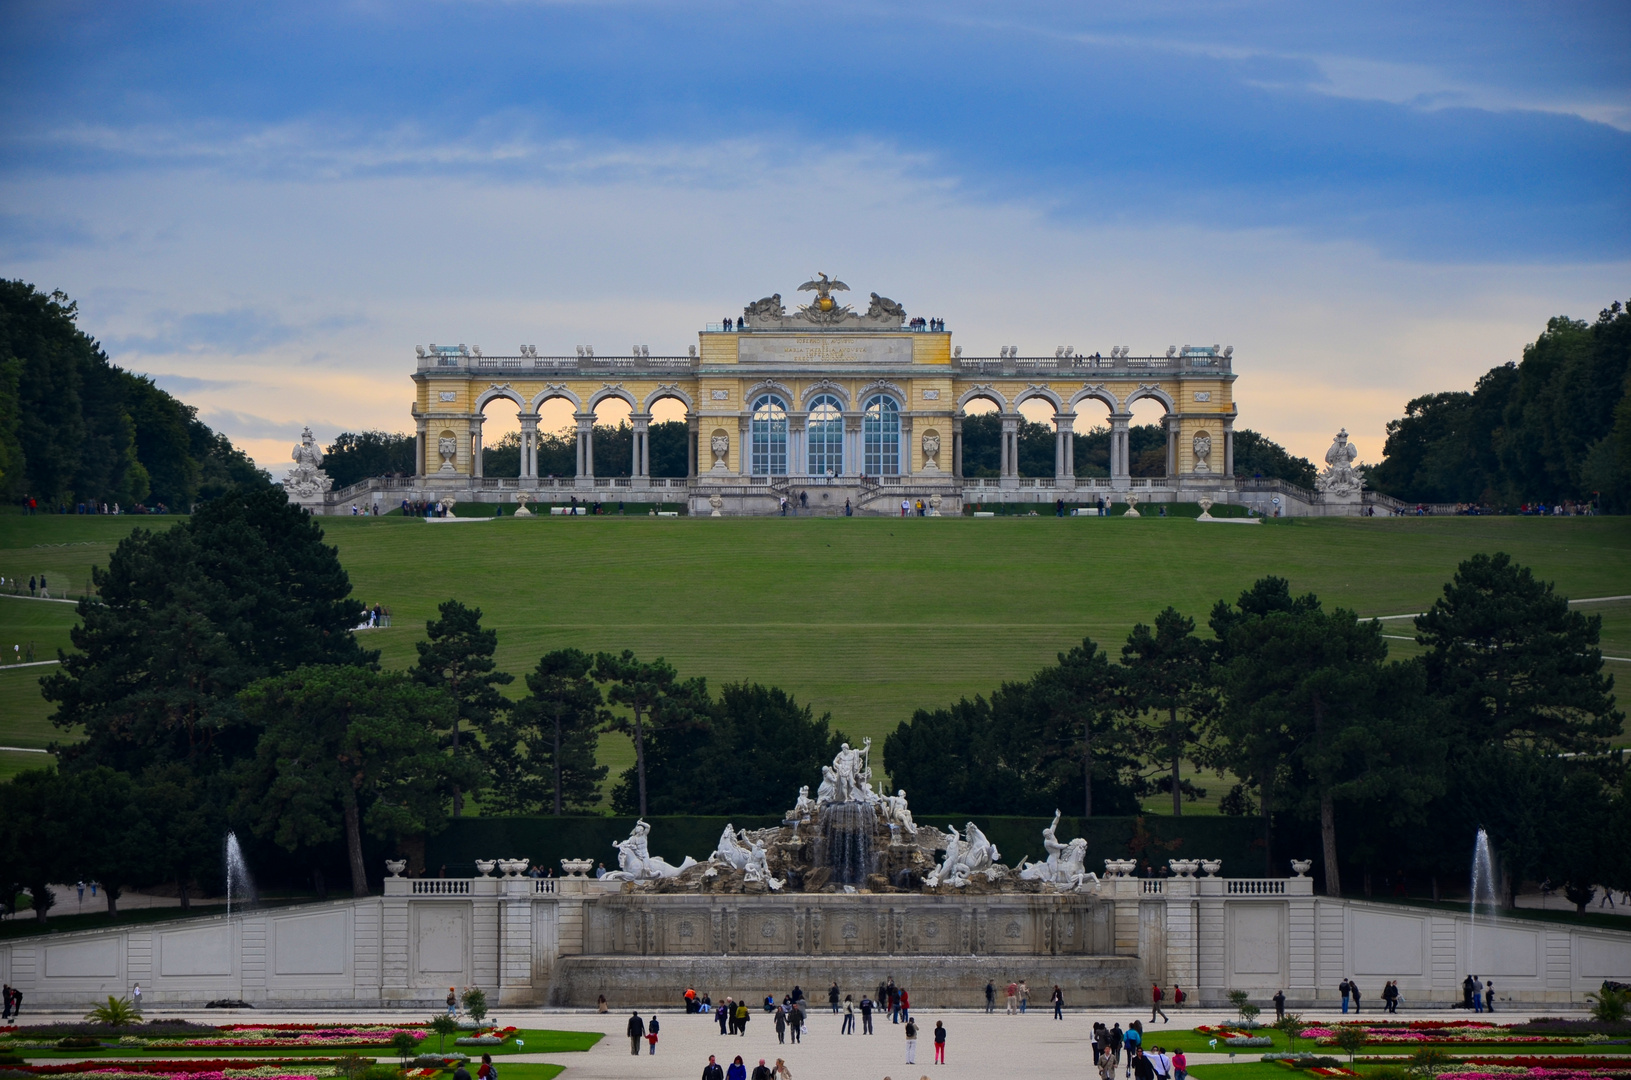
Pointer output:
635, 862
1065, 866
1340, 482
307, 481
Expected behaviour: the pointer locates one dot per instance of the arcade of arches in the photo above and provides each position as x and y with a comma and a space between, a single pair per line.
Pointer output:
838, 405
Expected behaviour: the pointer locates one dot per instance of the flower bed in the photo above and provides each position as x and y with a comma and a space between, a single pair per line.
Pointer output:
215, 1069
494, 1037
1531, 1072
1441, 1033
293, 1036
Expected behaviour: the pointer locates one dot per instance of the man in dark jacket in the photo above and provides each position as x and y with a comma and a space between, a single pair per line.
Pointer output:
637, 1031
832, 998
760, 1071
1143, 1069
712, 1071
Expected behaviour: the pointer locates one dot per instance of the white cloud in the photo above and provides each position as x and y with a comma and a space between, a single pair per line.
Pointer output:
341, 278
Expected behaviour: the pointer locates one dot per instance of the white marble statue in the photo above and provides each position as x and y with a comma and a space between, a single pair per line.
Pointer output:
1340, 480
805, 805
896, 813
828, 790
849, 779
307, 479
966, 855
733, 849
758, 868
1066, 864
635, 862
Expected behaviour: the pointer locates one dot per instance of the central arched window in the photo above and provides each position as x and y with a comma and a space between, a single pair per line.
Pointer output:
880, 431
769, 456
826, 436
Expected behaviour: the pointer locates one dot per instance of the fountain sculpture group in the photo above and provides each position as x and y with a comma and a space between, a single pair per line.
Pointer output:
850, 838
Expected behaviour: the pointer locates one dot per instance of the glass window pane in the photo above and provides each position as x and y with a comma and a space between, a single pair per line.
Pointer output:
769, 437
880, 430
825, 435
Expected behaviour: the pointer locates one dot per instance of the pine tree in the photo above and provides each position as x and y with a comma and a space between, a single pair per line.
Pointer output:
457, 658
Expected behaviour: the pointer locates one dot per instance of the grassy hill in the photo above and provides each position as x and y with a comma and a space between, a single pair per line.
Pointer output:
868, 618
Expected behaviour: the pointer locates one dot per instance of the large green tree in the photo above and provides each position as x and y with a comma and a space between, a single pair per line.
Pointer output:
345, 749
1166, 675
1514, 664
1080, 706
541, 754
190, 616
656, 700
456, 658
354, 456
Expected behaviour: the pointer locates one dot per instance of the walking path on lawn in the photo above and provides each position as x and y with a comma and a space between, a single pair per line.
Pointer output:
979, 1046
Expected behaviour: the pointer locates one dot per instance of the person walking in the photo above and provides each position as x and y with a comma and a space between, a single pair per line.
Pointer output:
461, 1073
848, 1026
1024, 996
742, 1017
1132, 1042
737, 1071
832, 998
1180, 1064
1107, 1062
939, 1042
1117, 1038
637, 1031
452, 1001
781, 1026
1279, 1004
1013, 998
651, 1035
1142, 1067
990, 996
1157, 995
866, 1015
760, 1072
487, 1071
905, 1004
723, 1015
1058, 1002
136, 997
1178, 996
1489, 995
795, 1022
911, 1042
712, 1071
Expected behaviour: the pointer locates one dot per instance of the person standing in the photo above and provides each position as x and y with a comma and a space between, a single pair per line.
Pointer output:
136, 997
1489, 995
712, 1071
723, 1015
1058, 1002
1279, 1004
866, 1015
848, 1026
1013, 998
832, 997
905, 1004
1344, 988
939, 1042
1353, 988
461, 1073
1024, 996
651, 1035
487, 1071
637, 1031
911, 1042
742, 1017
990, 996
1477, 997
1156, 996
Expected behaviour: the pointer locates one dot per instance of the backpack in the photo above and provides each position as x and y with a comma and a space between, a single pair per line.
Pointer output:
1160, 994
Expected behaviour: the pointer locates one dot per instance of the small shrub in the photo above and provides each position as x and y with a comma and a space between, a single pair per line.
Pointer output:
117, 1013
475, 1003
443, 1025
352, 1066
404, 1044
1429, 1061
1609, 1006
1291, 1024
1351, 1039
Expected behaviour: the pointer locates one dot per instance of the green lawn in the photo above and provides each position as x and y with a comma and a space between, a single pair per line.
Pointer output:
868, 618
538, 1041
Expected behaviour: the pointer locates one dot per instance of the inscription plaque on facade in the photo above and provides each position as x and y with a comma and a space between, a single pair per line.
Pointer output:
811, 349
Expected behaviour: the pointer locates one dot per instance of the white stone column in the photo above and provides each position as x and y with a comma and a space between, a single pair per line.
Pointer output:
906, 445
692, 429
798, 444
419, 446
1173, 427
1120, 451
640, 465
475, 444
957, 447
529, 444
1010, 445
586, 447
744, 439
1064, 465
1229, 447
853, 457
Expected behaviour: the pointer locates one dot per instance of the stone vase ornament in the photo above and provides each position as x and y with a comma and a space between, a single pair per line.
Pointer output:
1206, 509
521, 499
394, 867
577, 867
1119, 867
1211, 866
934, 506
720, 444
931, 451
449, 502
447, 448
1203, 451
1183, 867
1302, 866
716, 502
1132, 505
513, 867
485, 866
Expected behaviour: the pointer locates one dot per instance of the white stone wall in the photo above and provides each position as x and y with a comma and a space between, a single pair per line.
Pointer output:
529, 942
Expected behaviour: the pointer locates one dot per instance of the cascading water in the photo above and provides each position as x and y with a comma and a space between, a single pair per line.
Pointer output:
1483, 887
240, 885
844, 842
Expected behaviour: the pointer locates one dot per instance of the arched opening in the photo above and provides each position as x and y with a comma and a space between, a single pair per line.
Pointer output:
981, 438
768, 436
1147, 451
557, 438
500, 437
824, 433
670, 436
613, 438
1092, 453
1038, 437
880, 436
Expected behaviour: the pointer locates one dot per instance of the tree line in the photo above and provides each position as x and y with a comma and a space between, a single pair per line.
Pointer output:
1551, 427
75, 428
1504, 721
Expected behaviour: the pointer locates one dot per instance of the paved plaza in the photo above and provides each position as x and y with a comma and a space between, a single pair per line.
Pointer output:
978, 1045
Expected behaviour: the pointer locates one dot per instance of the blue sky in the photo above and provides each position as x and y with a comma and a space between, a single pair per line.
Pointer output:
269, 205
